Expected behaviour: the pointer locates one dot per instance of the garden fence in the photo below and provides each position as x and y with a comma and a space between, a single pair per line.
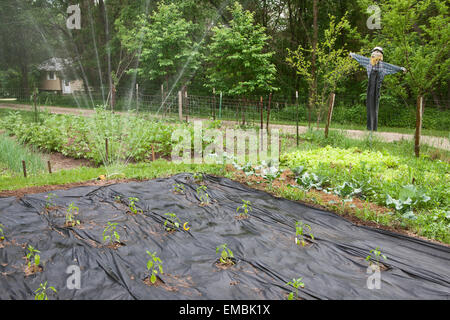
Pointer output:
248, 110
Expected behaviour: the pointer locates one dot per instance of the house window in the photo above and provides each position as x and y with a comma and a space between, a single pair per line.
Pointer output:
51, 75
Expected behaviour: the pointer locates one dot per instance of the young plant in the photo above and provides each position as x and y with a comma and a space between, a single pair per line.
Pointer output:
198, 177
226, 254
244, 209
376, 255
50, 200
117, 198
203, 195
172, 223
300, 232
41, 292
2, 237
32, 256
154, 264
296, 283
132, 205
110, 234
178, 188
72, 210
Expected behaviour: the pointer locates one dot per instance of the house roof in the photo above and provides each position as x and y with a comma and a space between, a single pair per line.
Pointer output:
55, 64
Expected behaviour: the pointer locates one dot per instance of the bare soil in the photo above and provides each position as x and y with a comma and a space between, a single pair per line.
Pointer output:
60, 162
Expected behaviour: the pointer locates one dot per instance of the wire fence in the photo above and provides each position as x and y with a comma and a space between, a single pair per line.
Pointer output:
248, 110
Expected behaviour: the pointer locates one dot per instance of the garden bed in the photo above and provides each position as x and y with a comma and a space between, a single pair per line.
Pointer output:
265, 255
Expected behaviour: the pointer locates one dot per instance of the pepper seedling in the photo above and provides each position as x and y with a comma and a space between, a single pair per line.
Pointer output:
72, 210
50, 200
244, 209
32, 256
178, 188
110, 233
172, 223
203, 195
226, 254
300, 232
376, 255
154, 264
296, 283
132, 205
41, 292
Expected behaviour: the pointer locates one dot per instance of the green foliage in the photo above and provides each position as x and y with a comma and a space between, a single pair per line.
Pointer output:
377, 255
332, 67
198, 177
110, 234
50, 200
226, 254
239, 63
2, 235
132, 205
178, 188
300, 228
203, 195
296, 283
154, 265
71, 211
310, 180
164, 42
418, 34
33, 258
410, 196
129, 136
172, 223
244, 209
12, 153
41, 292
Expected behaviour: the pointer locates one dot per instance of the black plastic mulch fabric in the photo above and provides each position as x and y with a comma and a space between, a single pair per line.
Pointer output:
266, 254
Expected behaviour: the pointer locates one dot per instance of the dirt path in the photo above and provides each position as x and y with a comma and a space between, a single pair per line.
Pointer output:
437, 142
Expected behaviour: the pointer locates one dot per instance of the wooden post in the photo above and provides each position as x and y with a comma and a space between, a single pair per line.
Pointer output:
220, 105
106, 150
243, 109
113, 97
35, 106
330, 113
419, 113
268, 112
261, 111
180, 106
186, 103
153, 154
296, 102
24, 166
214, 104
137, 98
49, 167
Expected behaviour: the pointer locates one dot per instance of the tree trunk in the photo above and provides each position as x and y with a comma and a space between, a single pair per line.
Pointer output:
419, 113
330, 113
313, 87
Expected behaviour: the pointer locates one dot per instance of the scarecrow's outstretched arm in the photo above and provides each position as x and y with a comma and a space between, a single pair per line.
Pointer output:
363, 61
391, 69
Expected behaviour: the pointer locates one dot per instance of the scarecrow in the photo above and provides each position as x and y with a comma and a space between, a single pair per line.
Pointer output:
376, 70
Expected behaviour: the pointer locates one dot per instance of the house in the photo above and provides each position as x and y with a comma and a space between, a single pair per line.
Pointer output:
55, 76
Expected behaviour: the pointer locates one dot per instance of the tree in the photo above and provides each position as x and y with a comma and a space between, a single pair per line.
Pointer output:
238, 62
416, 35
163, 45
331, 67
